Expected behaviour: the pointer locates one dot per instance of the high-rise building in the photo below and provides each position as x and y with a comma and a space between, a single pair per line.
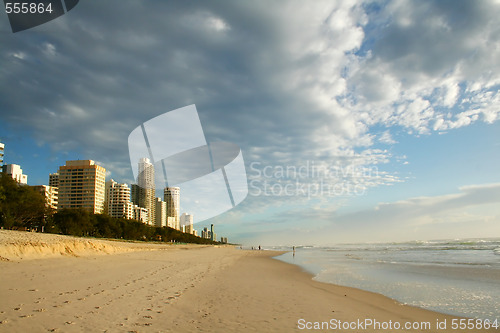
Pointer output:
143, 193
205, 233
2, 147
50, 194
171, 195
118, 203
54, 179
82, 185
161, 213
186, 221
141, 214
16, 173
213, 235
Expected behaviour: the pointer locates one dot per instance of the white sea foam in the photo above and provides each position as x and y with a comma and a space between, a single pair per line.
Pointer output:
459, 276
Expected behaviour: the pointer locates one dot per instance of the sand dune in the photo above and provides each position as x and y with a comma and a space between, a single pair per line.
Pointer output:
20, 245
178, 289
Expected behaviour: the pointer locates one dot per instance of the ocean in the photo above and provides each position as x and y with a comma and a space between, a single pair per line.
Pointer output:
459, 277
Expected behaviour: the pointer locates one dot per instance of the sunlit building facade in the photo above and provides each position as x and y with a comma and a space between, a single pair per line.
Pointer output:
16, 173
82, 185
143, 193
171, 195
118, 202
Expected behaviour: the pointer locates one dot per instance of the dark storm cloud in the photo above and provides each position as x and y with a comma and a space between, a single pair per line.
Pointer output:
86, 80
434, 36
263, 75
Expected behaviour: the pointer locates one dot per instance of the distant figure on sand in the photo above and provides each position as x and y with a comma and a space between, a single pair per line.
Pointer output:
293, 248
259, 247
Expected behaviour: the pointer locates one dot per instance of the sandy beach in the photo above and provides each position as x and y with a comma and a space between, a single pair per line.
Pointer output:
65, 284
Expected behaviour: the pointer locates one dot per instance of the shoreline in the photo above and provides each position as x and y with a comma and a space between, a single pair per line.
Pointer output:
188, 289
460, 281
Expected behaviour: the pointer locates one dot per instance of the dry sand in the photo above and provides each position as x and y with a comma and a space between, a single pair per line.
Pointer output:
174, 289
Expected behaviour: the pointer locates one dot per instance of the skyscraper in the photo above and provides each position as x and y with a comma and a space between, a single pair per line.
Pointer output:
213, 235
54, 179
2, 147
82, 185
118, 203
161, 213
171, 195
143, 193
186, 221
205, 233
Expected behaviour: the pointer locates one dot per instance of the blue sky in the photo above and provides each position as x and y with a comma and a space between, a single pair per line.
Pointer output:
396, 102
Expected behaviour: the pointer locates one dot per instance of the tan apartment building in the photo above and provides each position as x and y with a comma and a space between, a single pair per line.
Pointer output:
82, 185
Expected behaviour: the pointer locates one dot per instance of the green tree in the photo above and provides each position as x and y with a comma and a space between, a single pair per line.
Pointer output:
75, 222
20, 205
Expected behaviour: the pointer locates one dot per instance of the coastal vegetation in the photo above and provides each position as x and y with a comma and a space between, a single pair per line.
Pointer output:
22, 207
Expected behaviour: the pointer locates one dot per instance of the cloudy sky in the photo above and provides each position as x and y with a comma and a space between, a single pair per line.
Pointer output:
357, 120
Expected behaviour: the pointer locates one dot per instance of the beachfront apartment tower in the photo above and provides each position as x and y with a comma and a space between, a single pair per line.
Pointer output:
186, 221
82, 185
54, 179
161, 213
141, 214
205, 233
213, 235
172, 196
50, 193
2, 147
118, 202
143, 193
16, 173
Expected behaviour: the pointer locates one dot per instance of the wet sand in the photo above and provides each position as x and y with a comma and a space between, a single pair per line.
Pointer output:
185, 289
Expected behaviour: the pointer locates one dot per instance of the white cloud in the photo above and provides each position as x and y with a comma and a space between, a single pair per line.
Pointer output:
387, 138
217, 24
472, 211
289, 81
49, 49
419, 62
18, 55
